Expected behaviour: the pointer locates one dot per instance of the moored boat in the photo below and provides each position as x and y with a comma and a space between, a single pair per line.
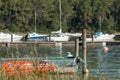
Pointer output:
34, 36
6, 37
58, 37
99, 36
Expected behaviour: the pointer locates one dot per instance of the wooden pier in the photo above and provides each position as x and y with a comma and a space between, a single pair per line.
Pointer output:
114, 42
66, 42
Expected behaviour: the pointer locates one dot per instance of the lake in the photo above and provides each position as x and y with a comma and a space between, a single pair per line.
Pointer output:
101, 65
104, 64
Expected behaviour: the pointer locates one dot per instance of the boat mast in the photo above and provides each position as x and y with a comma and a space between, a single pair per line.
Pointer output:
100, 23
60, 16
35, 21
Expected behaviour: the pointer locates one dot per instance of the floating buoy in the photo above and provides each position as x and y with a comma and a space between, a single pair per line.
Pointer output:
104, 44
106, 49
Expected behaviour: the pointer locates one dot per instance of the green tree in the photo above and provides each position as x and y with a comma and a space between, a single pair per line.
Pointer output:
101, 8
115, 12
24, 15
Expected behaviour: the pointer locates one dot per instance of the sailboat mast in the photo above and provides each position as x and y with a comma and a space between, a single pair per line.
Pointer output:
35, 21
60, 15
100, 23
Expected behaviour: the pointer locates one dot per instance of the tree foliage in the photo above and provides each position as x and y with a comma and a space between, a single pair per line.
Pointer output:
24, 15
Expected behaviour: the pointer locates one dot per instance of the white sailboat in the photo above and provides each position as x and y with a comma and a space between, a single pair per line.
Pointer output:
58, 36
99, 36
102, 37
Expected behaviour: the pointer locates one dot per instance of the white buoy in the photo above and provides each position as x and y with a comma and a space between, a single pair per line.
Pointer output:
104, 44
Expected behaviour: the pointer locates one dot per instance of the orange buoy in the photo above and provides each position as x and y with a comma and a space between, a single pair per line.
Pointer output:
106, 49
26, 67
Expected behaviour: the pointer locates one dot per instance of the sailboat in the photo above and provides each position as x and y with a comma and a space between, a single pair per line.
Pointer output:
58, 36
33, 36
99, 36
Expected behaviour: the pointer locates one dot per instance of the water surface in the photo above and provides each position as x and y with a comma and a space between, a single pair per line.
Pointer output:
101, 65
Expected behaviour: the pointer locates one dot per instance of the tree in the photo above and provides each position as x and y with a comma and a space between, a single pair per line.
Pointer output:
115, 12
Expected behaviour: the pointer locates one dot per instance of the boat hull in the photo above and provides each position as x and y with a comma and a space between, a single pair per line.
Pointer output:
102, 38
59, 38
35, 36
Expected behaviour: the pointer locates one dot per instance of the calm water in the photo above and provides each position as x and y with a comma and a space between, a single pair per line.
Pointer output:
105, 64
102, 66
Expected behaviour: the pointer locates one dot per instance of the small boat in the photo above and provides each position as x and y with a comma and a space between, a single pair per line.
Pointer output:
26, 67
99, 36
73, 34
6, 37
58, 37
34, 36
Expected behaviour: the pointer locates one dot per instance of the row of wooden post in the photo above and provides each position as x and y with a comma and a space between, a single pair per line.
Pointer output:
84, 51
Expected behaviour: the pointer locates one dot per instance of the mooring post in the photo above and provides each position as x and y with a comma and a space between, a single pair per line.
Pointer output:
11, 37
84, 48
7, 44
77, 47
77, 51
49, 37
92, 37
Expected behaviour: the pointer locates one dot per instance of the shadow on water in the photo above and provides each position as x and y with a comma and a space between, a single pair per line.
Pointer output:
102, 66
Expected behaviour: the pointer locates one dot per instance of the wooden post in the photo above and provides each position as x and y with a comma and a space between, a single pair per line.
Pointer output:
77, 51
7, 44
49, 37
84, 48
11, 37
77, 47
92, 37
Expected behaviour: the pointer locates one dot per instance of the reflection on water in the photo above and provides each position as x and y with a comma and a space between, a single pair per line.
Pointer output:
103, 66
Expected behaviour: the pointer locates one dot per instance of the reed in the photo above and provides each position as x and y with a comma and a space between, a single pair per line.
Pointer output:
50, 76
